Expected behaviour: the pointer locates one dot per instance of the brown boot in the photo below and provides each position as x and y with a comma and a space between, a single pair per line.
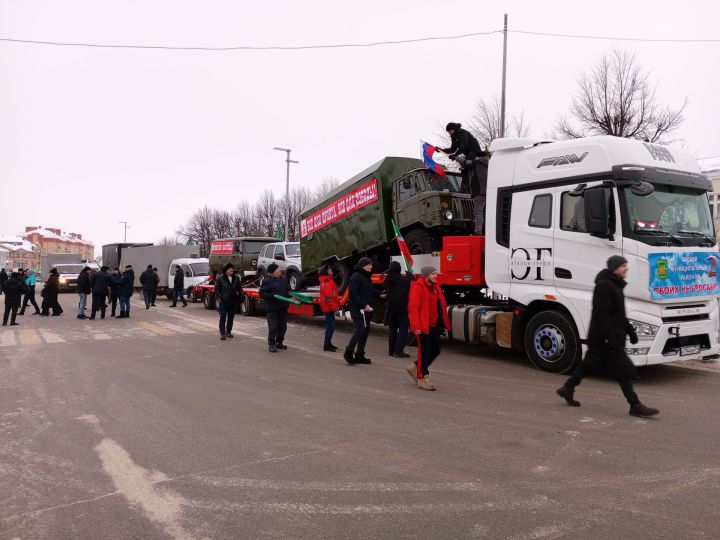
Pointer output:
425, 384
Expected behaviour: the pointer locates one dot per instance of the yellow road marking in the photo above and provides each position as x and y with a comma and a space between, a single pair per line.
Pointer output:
28, 336
156, 328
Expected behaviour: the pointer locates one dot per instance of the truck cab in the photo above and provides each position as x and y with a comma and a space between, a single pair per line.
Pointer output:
428, 206
561, 209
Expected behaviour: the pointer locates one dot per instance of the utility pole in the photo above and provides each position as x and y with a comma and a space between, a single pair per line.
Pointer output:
502, 99
126, 227
287, 188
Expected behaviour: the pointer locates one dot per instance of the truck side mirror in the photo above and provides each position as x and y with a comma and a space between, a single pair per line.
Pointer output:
596, 212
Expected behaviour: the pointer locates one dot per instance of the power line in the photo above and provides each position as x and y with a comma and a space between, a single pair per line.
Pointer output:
252, 47
616, 38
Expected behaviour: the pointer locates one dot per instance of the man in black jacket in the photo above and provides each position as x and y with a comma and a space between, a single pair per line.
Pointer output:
13, 294
362, 294
149, 281
474, 169
229, 294
178, 286
275, 284
114, 288
155, 290
397, 287
83, 289
126, 284
100, 284
606, 338
3, 278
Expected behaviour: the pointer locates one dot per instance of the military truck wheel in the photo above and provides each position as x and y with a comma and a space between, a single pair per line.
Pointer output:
342, 278
421, 241
247, 307
209, 300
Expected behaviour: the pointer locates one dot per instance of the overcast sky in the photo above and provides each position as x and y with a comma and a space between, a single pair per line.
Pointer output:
90, 136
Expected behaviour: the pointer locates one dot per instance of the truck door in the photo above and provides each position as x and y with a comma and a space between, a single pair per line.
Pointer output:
578, 255
531, 244
407, 210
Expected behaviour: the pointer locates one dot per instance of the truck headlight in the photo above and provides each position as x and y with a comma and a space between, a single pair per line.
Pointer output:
448, 215
642, 351
644, 330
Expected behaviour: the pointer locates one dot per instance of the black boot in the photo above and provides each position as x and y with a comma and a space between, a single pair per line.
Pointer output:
222, 337
643, 411
331, 348
567, 394
349, 358
360, 358
173, 304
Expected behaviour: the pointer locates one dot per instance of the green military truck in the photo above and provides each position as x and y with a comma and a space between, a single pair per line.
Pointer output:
354, 220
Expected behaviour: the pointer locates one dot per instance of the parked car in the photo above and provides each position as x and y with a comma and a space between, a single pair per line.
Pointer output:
287, 256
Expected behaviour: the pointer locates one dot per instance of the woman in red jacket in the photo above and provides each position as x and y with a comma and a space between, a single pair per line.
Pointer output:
428, 320
329, 304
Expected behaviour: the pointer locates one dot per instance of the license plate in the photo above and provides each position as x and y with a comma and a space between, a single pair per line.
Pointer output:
689, 349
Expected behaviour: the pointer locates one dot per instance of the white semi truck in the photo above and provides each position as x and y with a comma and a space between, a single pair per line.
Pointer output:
556, 211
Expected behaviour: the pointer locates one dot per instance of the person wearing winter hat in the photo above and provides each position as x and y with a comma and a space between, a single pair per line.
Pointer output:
178, 287
606, 339
329, 304
427, 310
50, 295
362, 294
149, 281
397, 287
276, 310
230, 295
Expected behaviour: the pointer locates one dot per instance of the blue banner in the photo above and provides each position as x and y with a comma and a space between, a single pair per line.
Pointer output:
680, 275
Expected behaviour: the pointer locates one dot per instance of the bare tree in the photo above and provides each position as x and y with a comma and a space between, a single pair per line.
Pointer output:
485, 123
199, 229
170, 240
617, 98
327, 185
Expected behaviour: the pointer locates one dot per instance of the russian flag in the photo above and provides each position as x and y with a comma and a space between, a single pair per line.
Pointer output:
428, 151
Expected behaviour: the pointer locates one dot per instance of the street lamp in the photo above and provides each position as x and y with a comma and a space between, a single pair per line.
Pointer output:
126, 227
287, 188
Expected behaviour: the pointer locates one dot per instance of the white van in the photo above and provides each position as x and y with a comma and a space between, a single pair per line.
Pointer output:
196, 269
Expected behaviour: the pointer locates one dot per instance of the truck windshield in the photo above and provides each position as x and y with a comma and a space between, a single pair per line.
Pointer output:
671, 213
437, 182
292, 250
200, 269
69, 268
253, 248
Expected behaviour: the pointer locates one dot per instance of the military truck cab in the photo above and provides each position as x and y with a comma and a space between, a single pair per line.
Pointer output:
428, 206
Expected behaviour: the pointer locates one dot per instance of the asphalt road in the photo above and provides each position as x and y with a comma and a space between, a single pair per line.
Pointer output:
150, 427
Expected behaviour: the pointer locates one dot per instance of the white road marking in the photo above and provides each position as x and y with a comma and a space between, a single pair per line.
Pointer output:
50, 337
101, 337
7, 338
176, 327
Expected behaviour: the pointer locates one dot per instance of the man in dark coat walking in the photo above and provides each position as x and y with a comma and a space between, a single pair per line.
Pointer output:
100, 284
50, 295
397, 287
114, 288
13, 294
126, 284
179, 286
362, 295
275, 284
474, 169
84, 290
606, 339
3, 278
229, 294
149, 281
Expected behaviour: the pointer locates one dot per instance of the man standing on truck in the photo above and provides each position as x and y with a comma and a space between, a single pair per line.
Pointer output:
272, 286
362, 294
229, 294
178, 286
606, 339
428, 321
474, 169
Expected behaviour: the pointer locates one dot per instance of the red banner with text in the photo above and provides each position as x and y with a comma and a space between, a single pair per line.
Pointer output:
356, 199
222, 247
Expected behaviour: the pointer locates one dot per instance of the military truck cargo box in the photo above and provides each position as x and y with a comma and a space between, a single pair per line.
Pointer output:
241, 251
355, 219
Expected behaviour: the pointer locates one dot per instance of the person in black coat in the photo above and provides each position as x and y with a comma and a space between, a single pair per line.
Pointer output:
474, 169
397, 287
606, 339
13, 295
179, 286
100, 283
155, 290
126, 284
3, 278
276, 310
229, 295
114, 288
362, 295
149, 281
83, 290
50, 295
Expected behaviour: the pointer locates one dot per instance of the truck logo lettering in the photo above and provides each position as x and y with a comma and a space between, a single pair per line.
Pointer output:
526, 261
562, 160
659, 153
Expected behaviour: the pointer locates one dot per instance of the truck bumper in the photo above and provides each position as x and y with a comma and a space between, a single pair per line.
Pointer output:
677, 342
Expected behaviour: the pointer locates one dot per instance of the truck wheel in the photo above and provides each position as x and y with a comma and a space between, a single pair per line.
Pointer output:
247, 308
294, 281
189, 295
552, 343
342, 278
421, 241
209, 300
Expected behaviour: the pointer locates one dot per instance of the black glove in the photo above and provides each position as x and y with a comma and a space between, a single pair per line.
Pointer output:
633, 336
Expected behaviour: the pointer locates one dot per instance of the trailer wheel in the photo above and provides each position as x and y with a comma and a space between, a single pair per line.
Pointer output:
247, 307
209, 300
294, 280
342, 278
552, 343
421, 241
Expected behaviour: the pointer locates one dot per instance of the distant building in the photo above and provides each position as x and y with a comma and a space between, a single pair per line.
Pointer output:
51, 240
4, 253
20, 254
